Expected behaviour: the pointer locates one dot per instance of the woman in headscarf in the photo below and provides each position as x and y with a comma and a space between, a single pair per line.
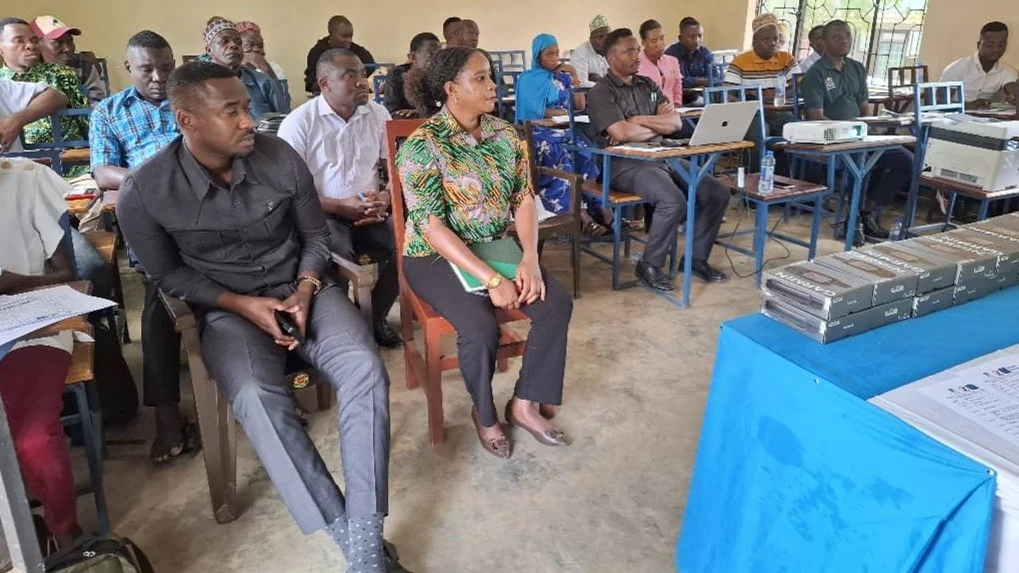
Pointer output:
543, 92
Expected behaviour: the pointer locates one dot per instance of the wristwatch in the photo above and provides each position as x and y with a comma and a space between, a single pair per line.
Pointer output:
494, 282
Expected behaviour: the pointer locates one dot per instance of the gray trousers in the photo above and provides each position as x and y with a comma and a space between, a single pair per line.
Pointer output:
250, 368
658, 185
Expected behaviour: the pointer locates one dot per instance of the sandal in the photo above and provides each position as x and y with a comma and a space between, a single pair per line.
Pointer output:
595, 229
189, 445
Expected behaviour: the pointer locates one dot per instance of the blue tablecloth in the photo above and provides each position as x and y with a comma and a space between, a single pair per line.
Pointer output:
796, 472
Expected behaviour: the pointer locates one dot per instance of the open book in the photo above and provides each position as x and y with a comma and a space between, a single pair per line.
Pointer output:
503, 255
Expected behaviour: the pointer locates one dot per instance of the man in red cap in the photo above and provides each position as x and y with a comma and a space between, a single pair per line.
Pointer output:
57, 43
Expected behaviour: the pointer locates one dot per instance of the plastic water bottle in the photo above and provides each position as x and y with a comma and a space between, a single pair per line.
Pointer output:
780, 90
767, 182
896, 232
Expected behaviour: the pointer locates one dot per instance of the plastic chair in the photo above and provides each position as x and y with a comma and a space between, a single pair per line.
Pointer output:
68, 151
511, 60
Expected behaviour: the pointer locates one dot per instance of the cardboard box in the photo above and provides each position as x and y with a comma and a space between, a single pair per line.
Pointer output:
825, 331
821, 291
933, 302
1007, 249
891, 282
975, 289
933, 272
1008, 223
973, 262
1006, 280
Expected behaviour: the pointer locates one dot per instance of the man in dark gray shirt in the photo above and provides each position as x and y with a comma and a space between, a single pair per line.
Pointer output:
229, 221
625, 107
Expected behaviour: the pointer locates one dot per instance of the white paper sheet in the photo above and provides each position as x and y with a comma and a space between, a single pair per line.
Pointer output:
565, 119
22, 314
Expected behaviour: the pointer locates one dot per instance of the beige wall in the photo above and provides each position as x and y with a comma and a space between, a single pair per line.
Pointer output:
953, 26
383, 26
386, 26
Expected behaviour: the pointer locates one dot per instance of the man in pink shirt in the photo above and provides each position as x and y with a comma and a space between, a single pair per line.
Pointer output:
655, 64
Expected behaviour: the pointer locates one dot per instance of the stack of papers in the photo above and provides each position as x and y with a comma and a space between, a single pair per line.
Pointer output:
566, 119
23, 314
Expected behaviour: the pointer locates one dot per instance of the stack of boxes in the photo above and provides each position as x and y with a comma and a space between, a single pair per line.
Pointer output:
840, 295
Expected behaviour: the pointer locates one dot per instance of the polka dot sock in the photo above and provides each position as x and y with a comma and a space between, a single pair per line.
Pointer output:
366, 554
337, 531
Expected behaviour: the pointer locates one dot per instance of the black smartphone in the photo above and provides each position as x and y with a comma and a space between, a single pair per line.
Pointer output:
286, 324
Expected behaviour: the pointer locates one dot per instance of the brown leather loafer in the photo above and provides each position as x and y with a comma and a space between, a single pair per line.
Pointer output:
553, 437
501, 447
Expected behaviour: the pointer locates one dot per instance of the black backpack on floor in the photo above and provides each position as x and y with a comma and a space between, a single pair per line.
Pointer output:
100, 555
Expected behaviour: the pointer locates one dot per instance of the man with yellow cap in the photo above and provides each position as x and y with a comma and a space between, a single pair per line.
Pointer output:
589, 57
57, 42
766, 66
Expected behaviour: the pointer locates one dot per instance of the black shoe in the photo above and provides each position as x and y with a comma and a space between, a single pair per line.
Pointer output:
393, 564
704, 271
872, 229
385, 335
653, 276
858, 236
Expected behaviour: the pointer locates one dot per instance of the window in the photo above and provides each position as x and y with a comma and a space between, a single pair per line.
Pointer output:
886, 32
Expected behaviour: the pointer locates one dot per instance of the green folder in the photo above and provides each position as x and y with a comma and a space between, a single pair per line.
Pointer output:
502, 255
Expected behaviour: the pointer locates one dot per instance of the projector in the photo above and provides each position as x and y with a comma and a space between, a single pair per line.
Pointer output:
824, 132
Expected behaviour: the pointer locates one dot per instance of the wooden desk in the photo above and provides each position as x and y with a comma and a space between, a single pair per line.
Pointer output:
801, 192
691, 164
955, 188
1009, 114
859, 157
77, 155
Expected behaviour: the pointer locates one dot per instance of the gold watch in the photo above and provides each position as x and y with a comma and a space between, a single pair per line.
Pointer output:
494, 282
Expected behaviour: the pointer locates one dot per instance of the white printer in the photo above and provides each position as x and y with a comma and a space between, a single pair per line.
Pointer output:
978, 153
824, 132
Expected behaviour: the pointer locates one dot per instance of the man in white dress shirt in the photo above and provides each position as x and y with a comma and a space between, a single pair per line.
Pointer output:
21, 103
589, 57
983, 73
341, 135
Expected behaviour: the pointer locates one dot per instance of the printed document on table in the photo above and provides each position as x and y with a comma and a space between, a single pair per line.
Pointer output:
22, 314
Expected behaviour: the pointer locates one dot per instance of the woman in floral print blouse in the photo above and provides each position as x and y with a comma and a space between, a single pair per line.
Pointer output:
465, 177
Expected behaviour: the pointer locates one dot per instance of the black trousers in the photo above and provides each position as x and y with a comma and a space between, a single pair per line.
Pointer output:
160, 352
892, 174
349, 241
477, 331
658, 185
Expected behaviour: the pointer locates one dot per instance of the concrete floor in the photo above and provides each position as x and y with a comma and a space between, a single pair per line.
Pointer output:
637, 376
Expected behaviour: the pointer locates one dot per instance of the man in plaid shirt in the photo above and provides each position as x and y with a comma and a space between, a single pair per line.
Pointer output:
125, 130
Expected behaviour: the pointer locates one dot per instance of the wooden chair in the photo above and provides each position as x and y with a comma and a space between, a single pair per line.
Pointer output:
105, 243
566, 225
426, 367
216, 418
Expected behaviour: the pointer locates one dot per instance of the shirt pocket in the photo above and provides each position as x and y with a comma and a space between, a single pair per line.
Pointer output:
276, 224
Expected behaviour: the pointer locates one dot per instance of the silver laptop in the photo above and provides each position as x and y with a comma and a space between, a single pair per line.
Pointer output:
724, 123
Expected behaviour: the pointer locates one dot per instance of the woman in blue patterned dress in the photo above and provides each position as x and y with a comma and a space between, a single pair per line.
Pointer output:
543, 92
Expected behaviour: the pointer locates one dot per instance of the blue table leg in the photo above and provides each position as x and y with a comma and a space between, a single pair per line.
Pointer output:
815, 226
983, 210
760, 234
691, 208
914, 184
859, 172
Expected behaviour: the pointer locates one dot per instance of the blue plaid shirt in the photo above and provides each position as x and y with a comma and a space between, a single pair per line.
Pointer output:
692, 65
127, 129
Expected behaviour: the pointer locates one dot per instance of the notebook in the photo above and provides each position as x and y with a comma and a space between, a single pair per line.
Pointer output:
502, 255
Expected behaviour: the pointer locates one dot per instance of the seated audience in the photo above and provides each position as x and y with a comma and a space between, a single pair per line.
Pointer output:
466, 34
465, 177
544, 91
658, 66
1011, 92
835, 88
627, 107
784, 33
253, 46
341, 35
694, 57
22, 103
984, 74
23, 62
223, 44
34, 254
125, 130
189, 212
57, 43
446, 31
589, 57
816, 38
341, 136
766, 66
422, 48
